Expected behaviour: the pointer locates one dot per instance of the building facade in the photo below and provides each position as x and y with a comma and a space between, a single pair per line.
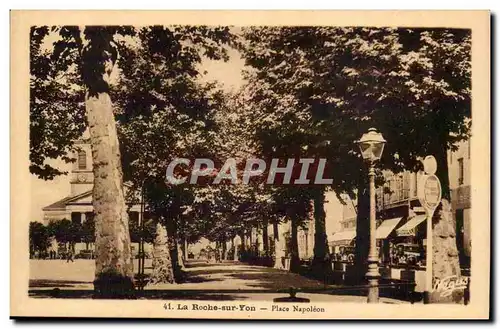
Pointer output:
77, 206
345, 233
459, 166
400, 217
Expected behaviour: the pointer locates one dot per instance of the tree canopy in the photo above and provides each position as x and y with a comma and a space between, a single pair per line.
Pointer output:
325, 86
309, 92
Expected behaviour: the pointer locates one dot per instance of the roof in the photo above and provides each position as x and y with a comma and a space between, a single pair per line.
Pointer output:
64, 202
57, 205
61, 204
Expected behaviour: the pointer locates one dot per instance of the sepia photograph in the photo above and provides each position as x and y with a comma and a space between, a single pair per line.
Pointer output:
250, 168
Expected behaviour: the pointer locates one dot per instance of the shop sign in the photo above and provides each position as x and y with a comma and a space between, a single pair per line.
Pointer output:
429, 187
430, 192
429, 195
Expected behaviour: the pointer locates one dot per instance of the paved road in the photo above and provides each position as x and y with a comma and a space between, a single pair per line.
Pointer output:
204, 281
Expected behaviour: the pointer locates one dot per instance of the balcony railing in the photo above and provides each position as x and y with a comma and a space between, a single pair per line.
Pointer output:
395, 191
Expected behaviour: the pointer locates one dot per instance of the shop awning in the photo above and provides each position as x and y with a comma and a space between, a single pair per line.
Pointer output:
387, 227
343, 236
408, 229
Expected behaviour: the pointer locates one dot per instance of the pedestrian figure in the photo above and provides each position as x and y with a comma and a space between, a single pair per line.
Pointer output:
209, 255
70, 257
217, 256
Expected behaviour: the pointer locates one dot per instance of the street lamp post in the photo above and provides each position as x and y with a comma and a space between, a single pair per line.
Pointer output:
371, 145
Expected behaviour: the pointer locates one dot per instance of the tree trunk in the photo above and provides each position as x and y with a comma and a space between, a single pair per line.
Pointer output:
321, 264
441, 156
185, 249
242, 244
249, 246
162, 265
294, 247
362, 239
114, 267
180, 256
278, 248
224, 250
182, 240
265, 236
445, 257
114, 277
235, 249
243, 249
174, 250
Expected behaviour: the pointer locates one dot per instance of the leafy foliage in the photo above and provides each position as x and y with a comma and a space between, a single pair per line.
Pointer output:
39, 237
87, 234
136, 231
323, 87
165, 112
57, 113
65, 231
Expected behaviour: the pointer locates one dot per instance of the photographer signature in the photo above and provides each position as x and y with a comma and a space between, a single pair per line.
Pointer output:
447, 285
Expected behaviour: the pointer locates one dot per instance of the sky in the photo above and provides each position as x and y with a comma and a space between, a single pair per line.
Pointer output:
228, 73
44, 193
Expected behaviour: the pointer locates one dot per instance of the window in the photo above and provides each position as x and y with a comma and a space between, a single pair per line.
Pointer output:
82, 160
89, 216
460, 171
406, 185
76, 218
400, 187
133, 218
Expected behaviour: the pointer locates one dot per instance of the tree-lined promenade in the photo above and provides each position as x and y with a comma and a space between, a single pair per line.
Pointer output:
309, 92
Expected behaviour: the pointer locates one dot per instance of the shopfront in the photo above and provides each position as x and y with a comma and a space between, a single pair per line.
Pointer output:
409, 243
342, 245
385, 233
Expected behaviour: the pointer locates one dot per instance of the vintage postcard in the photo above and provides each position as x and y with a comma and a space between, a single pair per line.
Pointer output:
250, 164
